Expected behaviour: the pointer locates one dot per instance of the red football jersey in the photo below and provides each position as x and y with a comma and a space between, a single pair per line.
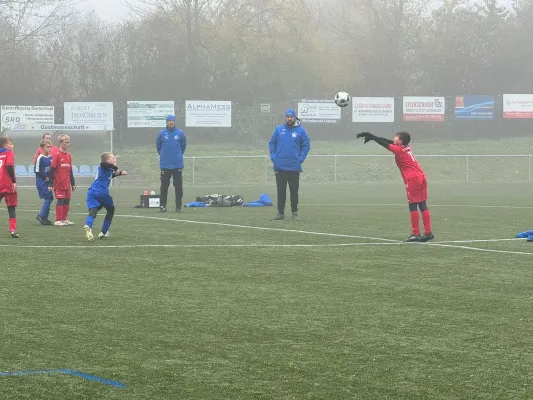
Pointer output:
6, 158
406, 162
62, 162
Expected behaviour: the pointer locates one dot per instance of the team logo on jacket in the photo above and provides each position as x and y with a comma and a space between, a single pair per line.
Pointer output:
294, 134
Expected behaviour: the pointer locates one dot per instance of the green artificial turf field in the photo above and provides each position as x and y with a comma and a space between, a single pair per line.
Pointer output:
225, 304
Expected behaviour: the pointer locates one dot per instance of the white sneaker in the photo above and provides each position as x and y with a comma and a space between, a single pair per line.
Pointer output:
67, 222
59, 223
103, 235
88, 233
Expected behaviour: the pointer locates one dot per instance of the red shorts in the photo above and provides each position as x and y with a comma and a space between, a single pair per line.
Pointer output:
417, 189
11, 199
62, 193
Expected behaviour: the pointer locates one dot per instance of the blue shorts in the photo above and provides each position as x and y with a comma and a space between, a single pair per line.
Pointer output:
99, 200
44, 193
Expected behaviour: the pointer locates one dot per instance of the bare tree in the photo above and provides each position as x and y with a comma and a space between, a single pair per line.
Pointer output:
30, 19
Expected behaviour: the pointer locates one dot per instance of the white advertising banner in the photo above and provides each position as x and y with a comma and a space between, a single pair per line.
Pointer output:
97, 114
26, 117
319, 111
205, 113
148, 114
518, 106
427, 109
373, 109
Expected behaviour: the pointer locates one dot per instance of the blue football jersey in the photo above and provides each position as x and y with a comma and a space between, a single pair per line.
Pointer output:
42, 169
102, 180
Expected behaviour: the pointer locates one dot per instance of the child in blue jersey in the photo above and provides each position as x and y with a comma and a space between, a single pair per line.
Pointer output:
42, 171
98, 196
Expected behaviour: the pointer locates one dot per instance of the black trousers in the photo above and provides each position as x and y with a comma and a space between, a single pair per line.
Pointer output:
177, 180
292, 178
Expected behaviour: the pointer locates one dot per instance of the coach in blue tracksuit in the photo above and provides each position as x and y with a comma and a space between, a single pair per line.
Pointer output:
289, 146
171, 144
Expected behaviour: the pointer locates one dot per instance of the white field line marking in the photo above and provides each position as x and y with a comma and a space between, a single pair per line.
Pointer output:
258, 245
246, 227
261, 228
429, 205
389, 241
478, 249
360, 204
476, 241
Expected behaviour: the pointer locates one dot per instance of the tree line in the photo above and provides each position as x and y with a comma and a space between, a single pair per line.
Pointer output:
246, 50
283, 50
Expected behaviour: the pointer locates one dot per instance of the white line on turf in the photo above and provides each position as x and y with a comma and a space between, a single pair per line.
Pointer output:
429, 205
363, 204
258, 245
477, 241
387, 241
262, 228
479, 249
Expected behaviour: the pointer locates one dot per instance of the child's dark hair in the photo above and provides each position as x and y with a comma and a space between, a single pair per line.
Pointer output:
404, 137
4, 140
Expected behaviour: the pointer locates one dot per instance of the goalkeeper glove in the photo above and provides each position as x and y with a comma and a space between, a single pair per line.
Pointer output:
367, 135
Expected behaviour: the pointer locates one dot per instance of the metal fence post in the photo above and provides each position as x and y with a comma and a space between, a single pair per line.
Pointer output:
266, 169
335, 168
467, 170
193, 172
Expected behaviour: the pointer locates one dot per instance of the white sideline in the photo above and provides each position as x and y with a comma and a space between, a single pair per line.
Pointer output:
261, 228
429, 205
480, 249
256, 245
361, 204
383, 241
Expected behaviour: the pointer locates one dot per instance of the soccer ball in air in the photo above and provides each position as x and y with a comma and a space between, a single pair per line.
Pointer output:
342, 99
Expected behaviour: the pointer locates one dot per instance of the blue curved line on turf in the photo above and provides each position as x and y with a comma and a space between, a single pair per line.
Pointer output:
93, 378
31, 372
66, 372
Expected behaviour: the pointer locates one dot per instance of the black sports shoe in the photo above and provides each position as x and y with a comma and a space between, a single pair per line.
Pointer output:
40, 219
14, 235
162, 209
178, 209
413, 238
278, 217
427, 237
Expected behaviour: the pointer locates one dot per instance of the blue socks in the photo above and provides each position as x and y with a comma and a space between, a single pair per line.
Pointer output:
45, 209
89, 221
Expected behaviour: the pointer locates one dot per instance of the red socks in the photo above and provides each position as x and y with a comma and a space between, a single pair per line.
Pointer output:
12, 224
62, 212
415, 222
59, 213
426, 217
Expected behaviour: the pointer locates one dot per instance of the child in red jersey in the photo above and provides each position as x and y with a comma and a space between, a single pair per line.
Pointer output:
61, 180
414, 179
8, 182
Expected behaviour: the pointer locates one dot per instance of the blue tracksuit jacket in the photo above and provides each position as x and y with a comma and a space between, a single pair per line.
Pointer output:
289, 147
171, 145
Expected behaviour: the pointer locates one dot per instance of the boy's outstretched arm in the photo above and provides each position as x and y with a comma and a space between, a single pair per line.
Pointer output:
379, 140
